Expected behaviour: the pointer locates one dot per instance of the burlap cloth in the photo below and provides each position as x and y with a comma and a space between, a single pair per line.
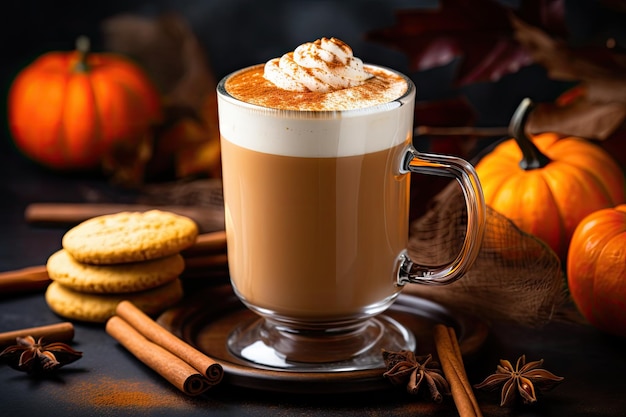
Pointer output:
515, 278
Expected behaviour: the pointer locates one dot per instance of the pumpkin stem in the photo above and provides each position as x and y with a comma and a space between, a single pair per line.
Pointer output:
82, 46
532, 158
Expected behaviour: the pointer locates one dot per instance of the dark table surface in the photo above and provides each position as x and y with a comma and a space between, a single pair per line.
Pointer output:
109, 381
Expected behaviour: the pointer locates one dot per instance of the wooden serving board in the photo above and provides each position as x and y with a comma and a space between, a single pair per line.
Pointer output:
206, 320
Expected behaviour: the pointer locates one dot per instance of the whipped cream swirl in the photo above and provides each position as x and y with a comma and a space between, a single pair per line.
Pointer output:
321, 66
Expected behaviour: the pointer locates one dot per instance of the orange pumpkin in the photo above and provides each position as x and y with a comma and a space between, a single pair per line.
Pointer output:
596, 269
68, 109
547, 184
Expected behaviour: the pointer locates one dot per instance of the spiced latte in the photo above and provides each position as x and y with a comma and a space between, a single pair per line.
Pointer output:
316, 151
316, 210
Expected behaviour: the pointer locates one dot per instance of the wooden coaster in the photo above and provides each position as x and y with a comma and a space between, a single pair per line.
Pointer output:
206, 320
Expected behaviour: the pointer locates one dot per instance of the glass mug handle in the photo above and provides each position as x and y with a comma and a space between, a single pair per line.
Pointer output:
463, 171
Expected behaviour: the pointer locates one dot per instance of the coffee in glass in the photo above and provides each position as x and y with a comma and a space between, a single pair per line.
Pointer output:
316, 155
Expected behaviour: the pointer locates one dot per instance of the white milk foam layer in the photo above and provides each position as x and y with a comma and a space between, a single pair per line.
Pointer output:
316, 134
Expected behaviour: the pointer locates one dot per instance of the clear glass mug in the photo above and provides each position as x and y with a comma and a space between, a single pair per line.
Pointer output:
316, 207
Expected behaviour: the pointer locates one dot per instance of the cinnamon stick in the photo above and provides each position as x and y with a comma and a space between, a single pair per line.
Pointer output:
451, 360
206, 262
179, 373
33, 278
74, 213
57, 332
151, 330
207, 243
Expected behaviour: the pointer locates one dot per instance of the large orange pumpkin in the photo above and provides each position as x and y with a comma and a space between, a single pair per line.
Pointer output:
596, 269
68, 109
547, 184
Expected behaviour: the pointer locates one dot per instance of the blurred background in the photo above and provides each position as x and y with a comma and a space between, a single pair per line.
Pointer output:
238, 33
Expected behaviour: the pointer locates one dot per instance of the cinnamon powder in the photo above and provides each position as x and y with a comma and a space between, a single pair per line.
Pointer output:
109, 392
250, 86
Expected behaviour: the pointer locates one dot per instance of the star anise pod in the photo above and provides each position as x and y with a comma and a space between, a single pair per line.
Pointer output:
526, 379
405, 368
35, 357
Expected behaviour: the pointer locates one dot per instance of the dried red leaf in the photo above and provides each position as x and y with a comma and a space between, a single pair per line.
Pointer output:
491, 40
596, 107
583, 118
479, 32
563, 62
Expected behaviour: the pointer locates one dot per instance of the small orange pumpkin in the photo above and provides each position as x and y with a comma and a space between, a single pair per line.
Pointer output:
67, 110
546, 185
596, 269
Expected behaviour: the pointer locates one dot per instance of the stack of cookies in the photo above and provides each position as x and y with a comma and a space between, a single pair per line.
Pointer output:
131, 256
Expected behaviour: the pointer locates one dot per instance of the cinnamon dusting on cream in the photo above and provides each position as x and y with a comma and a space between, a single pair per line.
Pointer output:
323, 75
250, 86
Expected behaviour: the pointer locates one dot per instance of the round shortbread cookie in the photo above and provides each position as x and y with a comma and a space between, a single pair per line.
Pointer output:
120, 278
129, 237
98, 308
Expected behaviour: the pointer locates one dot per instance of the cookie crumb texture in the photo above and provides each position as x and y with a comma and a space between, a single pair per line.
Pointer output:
129, 237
